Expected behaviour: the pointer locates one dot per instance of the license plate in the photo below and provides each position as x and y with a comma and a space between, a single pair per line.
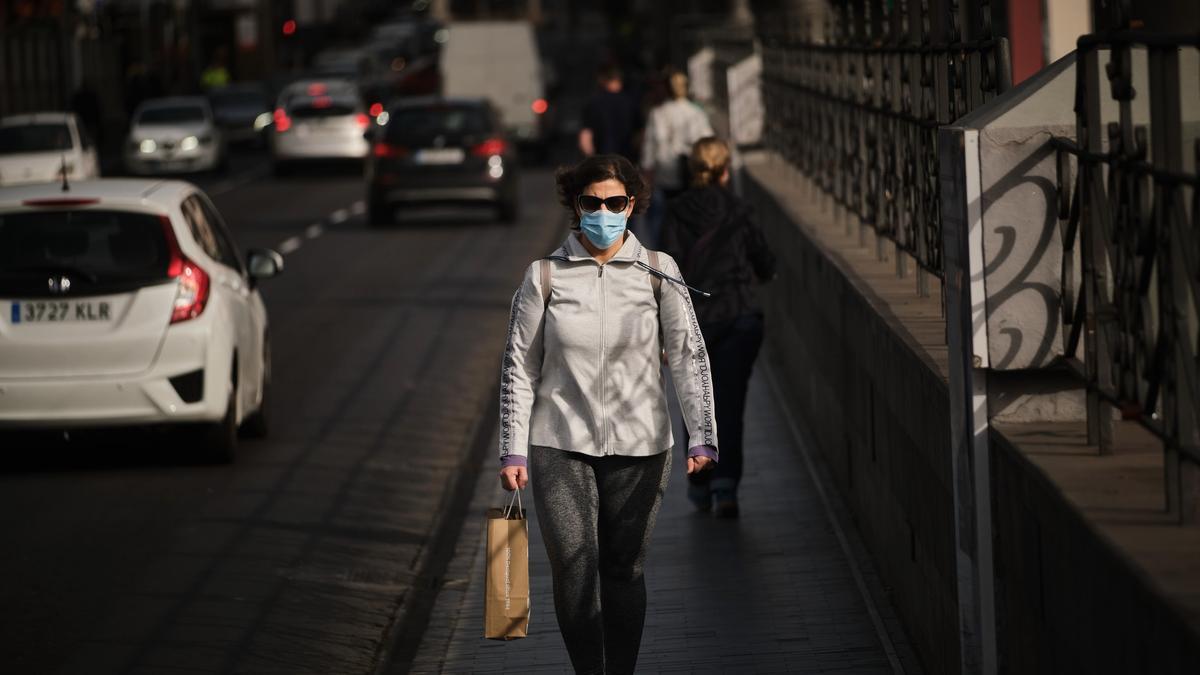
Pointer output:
440, 156
57, 311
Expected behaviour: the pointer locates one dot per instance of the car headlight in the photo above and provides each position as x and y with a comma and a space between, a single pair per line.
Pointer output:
262, 121
148, 145
189, 143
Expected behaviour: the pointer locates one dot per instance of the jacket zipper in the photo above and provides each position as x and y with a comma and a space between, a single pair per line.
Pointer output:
603, 363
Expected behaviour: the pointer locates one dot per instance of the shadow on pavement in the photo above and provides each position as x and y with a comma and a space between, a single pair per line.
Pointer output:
53, 451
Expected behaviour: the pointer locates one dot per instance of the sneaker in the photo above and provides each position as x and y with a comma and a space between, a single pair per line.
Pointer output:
726, 504
726, 509
700, 497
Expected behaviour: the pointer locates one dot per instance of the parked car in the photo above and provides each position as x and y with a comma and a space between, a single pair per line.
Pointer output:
441, 150
318, 120
37, 148
242, 111
174, 135
126, 302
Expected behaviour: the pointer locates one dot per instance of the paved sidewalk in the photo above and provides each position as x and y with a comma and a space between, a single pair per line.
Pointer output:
774, 591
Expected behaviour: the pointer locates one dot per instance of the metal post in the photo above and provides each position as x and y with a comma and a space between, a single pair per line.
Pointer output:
1092, 207
970, 445
1178, 404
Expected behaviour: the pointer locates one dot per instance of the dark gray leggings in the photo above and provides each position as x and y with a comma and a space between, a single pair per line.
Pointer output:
596, 515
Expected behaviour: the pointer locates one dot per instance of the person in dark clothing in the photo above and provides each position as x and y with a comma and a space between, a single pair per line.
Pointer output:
709, 232
86, 105
611, 119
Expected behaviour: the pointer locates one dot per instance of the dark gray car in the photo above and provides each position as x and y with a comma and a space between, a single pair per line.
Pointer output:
441, 151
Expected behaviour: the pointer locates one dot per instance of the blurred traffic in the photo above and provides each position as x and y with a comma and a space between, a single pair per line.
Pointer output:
139, 287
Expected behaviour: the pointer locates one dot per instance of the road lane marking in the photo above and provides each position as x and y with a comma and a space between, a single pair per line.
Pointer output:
290, 245
315, 230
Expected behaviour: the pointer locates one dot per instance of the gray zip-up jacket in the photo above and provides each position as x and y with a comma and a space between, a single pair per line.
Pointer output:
581, 372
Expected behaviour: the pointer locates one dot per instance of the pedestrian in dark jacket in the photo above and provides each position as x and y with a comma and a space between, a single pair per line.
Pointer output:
719, 249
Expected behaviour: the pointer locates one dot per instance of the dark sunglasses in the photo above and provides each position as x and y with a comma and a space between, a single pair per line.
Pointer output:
591, 204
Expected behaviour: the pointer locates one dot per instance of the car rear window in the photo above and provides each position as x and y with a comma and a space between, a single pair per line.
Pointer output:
411, 124
174, 115
19, 139
99, 251
308, 111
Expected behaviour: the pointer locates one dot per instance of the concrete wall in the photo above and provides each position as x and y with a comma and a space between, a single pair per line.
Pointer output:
878, 410
1067, 601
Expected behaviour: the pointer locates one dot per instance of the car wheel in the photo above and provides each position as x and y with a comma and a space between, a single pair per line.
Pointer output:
508, 210
220, 438
379, 212
255, 425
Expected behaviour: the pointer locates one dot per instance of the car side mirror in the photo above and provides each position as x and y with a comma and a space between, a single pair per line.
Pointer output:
263, 263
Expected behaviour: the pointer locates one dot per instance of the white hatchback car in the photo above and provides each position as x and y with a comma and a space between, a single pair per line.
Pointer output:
126, 302
36, 148
319, 119
174, 135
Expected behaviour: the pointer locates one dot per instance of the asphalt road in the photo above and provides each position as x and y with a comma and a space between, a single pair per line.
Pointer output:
318, 550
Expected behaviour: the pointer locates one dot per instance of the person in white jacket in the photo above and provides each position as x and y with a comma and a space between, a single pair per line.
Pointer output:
583, 415
671, 129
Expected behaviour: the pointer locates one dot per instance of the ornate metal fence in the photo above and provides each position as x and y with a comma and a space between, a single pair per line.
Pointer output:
858, 113
1129, 215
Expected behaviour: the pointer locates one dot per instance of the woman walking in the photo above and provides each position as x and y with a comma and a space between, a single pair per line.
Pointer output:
709, 232
583, 416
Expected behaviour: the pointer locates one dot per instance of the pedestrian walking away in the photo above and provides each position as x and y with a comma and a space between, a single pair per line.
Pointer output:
611, 119
583, 415
671, 130
708, 230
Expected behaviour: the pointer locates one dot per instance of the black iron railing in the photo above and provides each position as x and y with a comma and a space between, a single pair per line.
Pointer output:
858, 114
1129, 216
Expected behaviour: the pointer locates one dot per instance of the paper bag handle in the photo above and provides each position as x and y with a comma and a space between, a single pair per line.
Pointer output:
516, 499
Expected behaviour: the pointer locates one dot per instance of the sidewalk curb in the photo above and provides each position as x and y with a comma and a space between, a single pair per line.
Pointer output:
460, 582
402, 638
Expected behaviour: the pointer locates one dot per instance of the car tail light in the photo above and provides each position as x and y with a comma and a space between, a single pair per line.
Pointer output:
282, 121
376, 108
192, 293
492, 146
362, 120
539, 106
389, 151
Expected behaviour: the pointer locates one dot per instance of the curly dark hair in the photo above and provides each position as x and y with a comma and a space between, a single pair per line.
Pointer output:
572, 181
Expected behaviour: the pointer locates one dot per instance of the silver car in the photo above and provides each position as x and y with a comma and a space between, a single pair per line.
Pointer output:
319, 119
174, 135
38, 148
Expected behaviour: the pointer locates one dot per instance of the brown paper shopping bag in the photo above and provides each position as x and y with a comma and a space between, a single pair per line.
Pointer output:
506, 605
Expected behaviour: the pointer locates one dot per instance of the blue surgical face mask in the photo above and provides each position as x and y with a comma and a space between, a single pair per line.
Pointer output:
602, 227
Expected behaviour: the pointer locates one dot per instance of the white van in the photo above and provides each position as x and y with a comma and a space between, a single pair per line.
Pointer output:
497, 60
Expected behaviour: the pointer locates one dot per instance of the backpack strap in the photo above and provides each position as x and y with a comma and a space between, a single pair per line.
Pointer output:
545, 270
655, 280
